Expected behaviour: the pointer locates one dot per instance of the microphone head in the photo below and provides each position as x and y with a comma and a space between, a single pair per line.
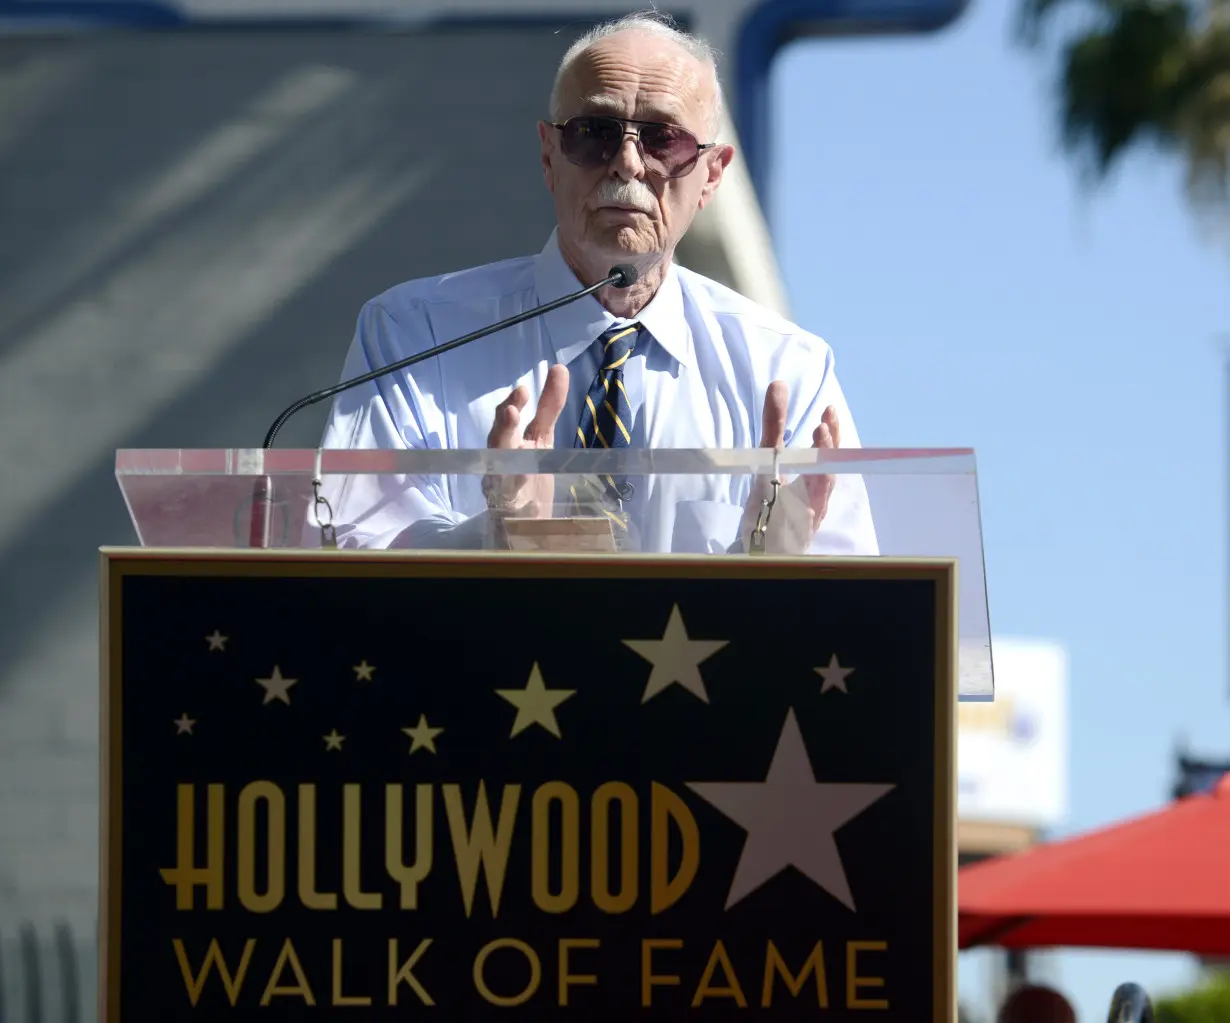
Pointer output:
626, 273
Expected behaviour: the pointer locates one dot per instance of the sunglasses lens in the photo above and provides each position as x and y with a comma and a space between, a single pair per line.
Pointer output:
668, 150
591, 141
594, 141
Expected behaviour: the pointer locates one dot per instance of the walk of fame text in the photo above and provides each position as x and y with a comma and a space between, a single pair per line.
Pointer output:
623, 848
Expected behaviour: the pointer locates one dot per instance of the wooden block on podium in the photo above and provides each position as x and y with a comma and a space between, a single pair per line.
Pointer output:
579, 535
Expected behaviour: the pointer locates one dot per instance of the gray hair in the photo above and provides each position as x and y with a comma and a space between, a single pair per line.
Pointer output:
654, 23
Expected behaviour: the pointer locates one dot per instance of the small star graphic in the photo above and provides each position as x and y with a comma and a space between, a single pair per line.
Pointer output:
363, 672
183, 724
276, 686
216, 640
675, 658
535, 704
333, 740
834, 675
423, 734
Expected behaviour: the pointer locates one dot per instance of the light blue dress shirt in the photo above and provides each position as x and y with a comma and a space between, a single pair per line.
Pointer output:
699, 382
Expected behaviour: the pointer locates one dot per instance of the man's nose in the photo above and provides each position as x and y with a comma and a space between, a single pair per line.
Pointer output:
627, 162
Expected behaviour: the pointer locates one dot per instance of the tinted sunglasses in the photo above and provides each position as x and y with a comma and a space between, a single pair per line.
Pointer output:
667, 150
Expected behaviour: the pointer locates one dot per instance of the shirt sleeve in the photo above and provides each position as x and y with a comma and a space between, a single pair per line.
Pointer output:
388, 510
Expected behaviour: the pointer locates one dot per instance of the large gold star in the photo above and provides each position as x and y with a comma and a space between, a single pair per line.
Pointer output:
184, 724
675, 658
363, 672
535, 704
276, 686
333, 741
423, 735
216, 640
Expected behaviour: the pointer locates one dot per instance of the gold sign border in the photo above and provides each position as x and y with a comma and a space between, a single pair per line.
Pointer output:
119, 563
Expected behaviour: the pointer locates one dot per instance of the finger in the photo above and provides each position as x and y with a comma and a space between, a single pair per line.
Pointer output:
828, 433
773, 427
831, 420
550, 404
820, 488
819, 492
819, 485
507, 417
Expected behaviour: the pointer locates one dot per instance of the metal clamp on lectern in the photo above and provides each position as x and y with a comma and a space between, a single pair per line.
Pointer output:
758, 543
328, 532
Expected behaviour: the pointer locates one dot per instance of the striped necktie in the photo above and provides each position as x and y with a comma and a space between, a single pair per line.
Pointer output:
606, 418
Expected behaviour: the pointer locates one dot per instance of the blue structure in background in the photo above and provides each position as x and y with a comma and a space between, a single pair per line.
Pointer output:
773, 24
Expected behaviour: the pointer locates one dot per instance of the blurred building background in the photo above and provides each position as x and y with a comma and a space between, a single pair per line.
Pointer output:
194, 204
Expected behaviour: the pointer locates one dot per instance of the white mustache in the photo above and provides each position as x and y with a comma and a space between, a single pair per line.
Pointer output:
629, 193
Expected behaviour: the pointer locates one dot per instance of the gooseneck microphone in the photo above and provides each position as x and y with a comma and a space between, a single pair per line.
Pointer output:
621, 276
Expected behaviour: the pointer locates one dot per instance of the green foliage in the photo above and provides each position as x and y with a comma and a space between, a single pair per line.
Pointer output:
1145, 71
1208, 1003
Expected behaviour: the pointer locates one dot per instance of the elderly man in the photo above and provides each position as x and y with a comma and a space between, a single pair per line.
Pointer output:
674, 361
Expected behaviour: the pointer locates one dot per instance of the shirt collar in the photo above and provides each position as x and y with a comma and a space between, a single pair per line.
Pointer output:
576, 326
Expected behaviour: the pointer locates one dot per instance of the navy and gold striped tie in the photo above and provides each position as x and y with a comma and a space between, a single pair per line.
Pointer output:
606, 418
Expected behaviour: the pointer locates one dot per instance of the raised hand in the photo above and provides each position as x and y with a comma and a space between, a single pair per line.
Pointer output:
802, 506
526, 496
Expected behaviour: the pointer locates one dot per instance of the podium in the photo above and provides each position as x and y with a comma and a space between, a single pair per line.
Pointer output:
418, 751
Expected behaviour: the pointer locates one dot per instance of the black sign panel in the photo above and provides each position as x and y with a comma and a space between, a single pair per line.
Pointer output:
528, 787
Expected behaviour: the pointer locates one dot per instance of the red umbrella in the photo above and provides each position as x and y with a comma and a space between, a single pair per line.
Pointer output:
1159, 881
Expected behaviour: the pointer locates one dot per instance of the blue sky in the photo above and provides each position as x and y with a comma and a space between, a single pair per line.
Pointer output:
975, 295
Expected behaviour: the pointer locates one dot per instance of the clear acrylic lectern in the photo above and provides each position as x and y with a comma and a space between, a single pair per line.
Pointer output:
889, 503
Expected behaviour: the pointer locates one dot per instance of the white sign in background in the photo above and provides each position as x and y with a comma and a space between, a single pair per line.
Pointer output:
1012, 754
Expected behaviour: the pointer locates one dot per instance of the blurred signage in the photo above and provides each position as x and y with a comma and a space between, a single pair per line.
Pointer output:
1012, 754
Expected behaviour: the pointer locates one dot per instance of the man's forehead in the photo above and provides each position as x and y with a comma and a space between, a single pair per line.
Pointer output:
643, 78
645, 107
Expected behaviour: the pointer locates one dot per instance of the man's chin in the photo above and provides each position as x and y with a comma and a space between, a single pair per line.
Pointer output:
624, 242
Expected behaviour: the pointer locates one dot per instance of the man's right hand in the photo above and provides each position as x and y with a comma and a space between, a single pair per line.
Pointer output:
526, 496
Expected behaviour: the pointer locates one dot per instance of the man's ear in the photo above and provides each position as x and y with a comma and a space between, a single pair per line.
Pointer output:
546, 135
716, 161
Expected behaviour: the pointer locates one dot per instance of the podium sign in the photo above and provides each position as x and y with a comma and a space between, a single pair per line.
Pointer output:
515, 786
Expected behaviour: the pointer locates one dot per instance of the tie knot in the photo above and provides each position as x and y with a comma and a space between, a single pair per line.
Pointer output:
617, 344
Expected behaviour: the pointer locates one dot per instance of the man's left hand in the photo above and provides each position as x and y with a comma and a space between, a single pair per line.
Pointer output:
802, 506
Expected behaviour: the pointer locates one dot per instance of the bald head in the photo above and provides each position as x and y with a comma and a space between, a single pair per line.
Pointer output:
1034, 1003
656, 52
